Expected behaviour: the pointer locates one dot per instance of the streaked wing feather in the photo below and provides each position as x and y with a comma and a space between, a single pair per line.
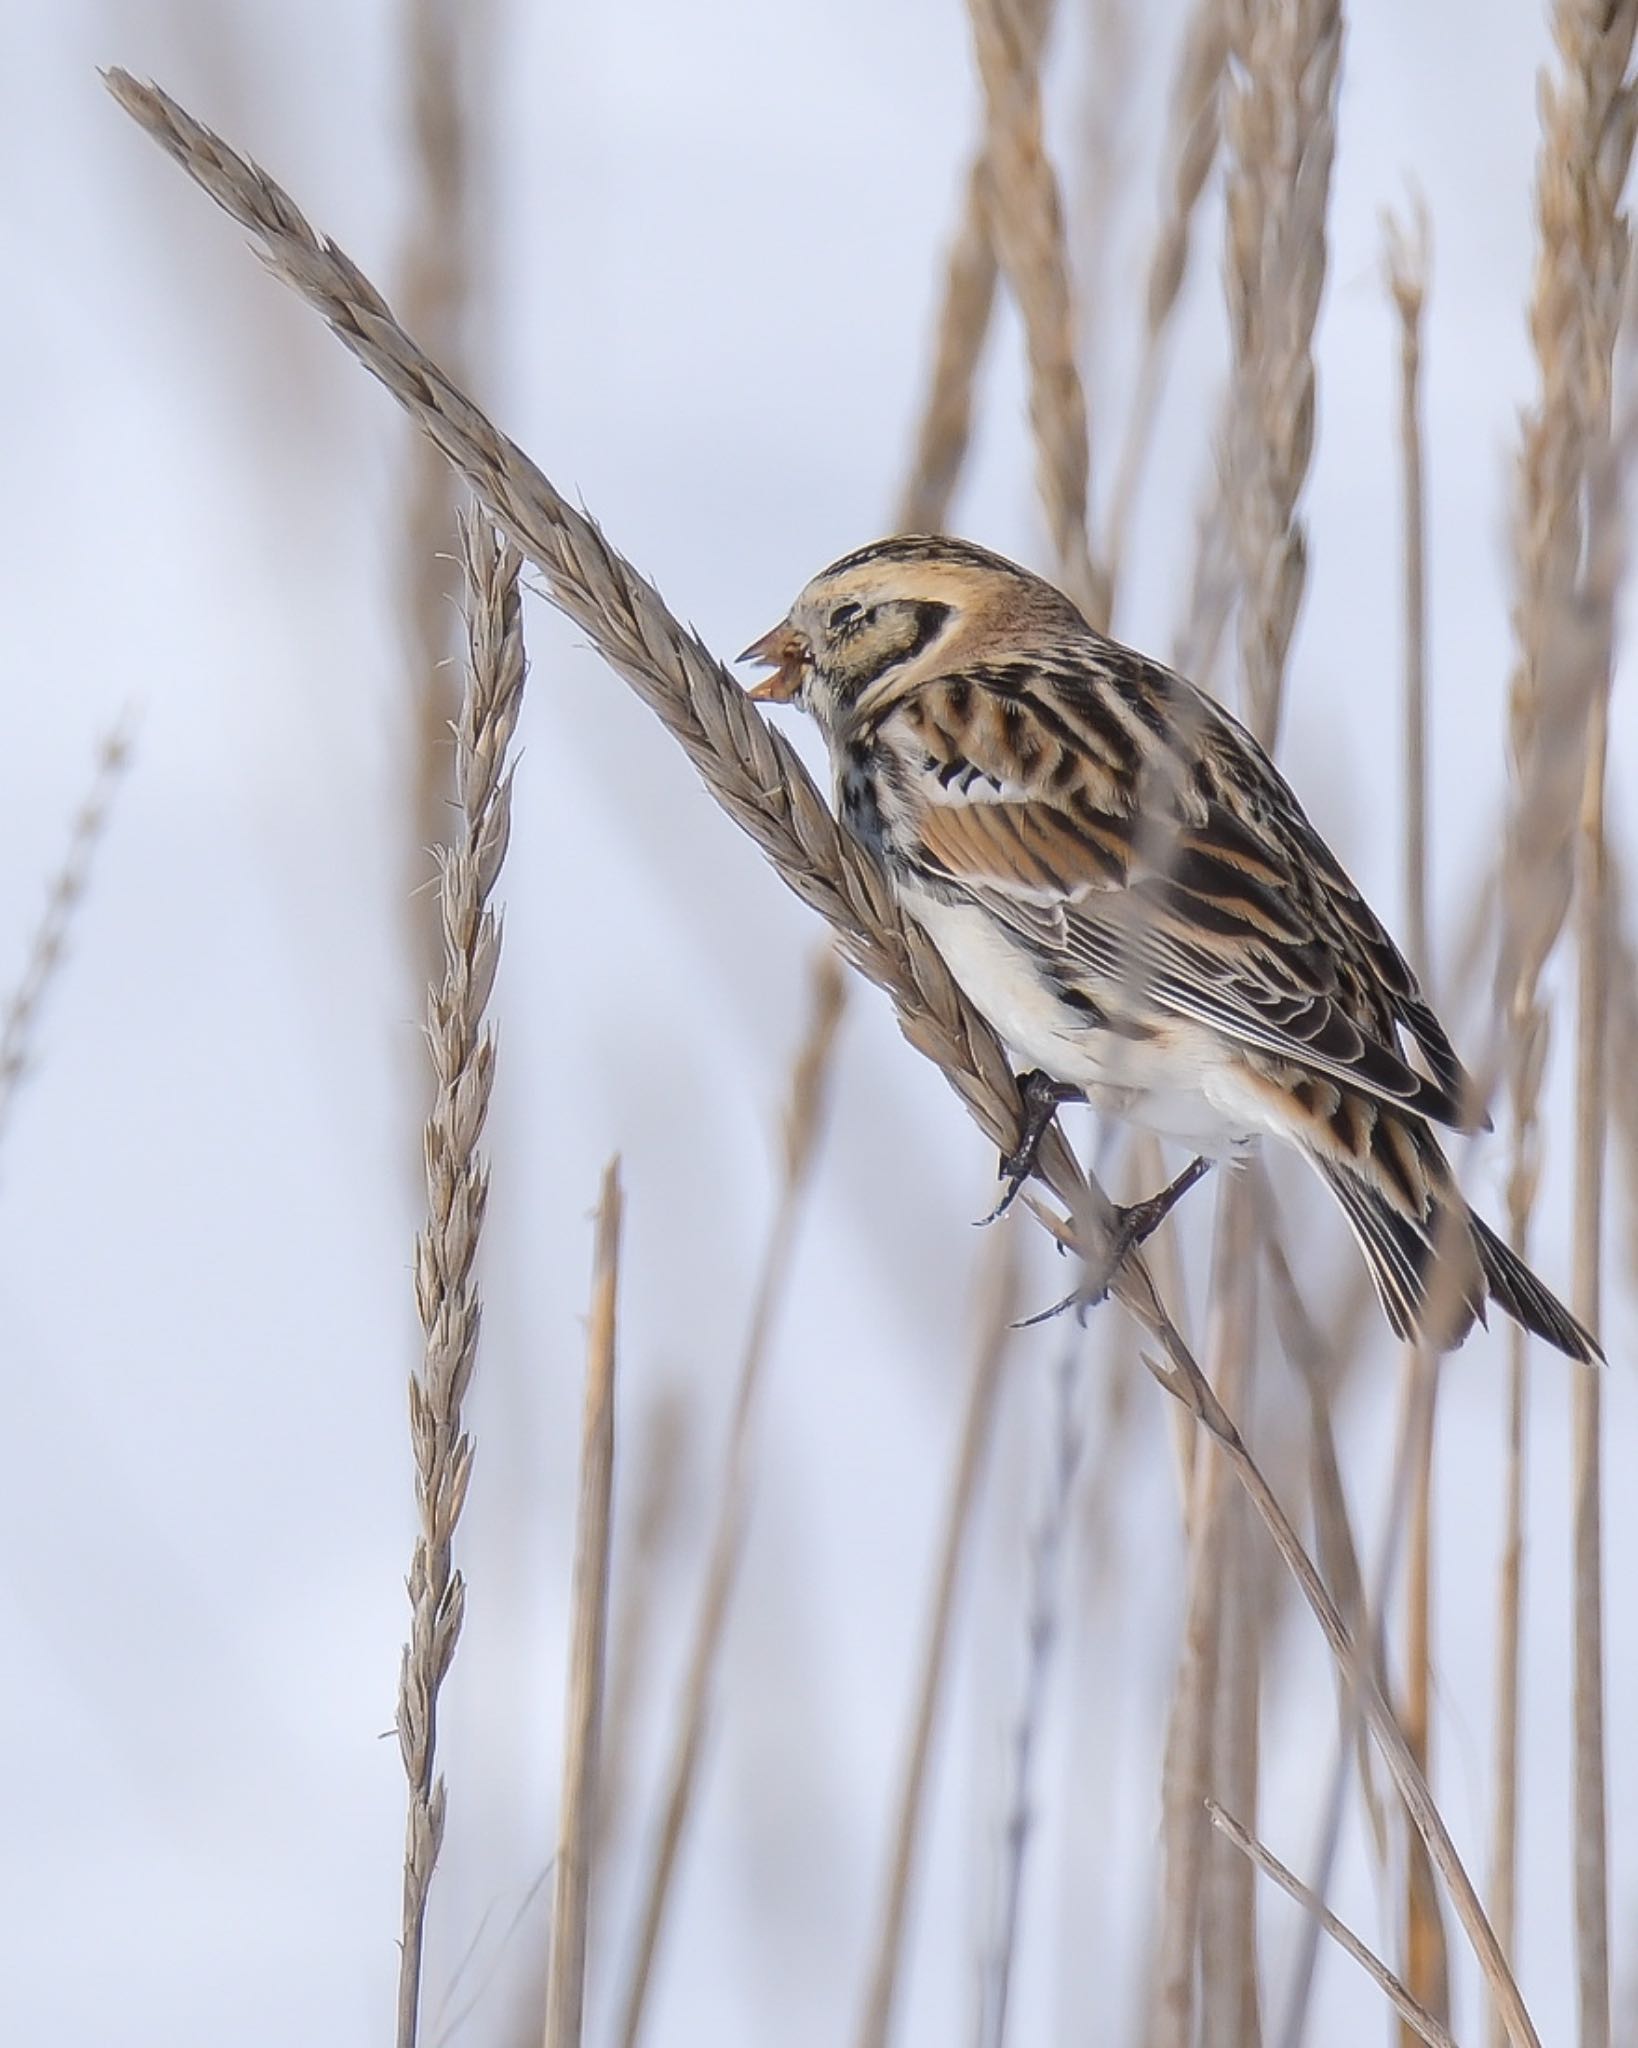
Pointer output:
1198, 924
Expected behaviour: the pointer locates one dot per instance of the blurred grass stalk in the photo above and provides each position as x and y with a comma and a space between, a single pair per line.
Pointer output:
995, 1308
1569, 552
1026, 220
803, 1123
436, 270
588, 1636
1427, 1963
64, 897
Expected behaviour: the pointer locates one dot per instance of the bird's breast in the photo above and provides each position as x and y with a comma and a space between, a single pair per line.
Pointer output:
1164, 1073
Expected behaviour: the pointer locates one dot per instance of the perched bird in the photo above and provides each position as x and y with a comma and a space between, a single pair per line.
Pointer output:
1128, 890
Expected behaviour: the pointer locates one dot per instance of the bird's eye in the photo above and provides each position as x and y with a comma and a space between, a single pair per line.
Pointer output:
845, 614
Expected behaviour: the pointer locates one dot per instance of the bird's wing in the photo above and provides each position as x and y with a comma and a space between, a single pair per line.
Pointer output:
1187, 901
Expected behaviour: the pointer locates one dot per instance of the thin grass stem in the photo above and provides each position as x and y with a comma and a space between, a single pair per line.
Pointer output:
588, 1634
49, 942
1421, 2022
997, 1306
804, 1119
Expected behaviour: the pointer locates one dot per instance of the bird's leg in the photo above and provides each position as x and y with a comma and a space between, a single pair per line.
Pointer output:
1130, 1227
1041, 1097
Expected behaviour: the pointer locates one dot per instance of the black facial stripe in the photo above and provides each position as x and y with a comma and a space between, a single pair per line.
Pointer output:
930, 619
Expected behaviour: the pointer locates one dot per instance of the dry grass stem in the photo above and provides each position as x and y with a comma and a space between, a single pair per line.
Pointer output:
1281, 127
1026, 220
1230, 2014
1407, 274
1370, 1604
1509, 1668
660, 1465
804, 1115
63, 899
1312, 1357
1197, 644
1176, 2016
1422, 2023
1189, 1385
1588, 115
995, 1309
1192, 133
750, 769
1562, 620
1041, 1635
1622, 1062
446, 1293
1101, 169
1426, 1963
588, 1630
436, 287
945, 430
1595, 935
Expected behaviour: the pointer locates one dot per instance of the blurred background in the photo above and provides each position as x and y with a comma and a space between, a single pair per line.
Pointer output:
702, 267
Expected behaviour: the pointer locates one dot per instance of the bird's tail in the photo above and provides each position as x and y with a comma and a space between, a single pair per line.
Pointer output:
1435, 1264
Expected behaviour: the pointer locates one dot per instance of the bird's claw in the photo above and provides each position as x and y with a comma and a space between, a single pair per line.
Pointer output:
1041, 1098
1130, 1227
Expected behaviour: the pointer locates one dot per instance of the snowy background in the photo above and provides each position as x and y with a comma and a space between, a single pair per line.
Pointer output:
716, 246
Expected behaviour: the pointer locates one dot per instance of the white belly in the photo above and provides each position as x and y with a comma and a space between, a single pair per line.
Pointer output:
1180, 1084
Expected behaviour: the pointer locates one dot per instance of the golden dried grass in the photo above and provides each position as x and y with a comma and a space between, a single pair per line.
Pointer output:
446, 1292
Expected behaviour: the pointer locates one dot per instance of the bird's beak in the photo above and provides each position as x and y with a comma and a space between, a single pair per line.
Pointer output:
784, 651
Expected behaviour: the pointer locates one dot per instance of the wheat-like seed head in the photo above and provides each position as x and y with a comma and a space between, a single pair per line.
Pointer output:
1026, 219
446, 1294
963, 328
1589, 112
1281, 126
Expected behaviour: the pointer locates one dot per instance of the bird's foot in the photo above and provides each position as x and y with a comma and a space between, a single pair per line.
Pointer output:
1129, 1228
1042, 1098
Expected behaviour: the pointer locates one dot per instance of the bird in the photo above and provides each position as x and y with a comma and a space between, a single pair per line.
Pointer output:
1130, 893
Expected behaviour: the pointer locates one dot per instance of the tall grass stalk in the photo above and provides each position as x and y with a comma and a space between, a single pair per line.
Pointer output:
803, 1124
436, 273
588, 1636
967, 307
446, 1292
1193, 131
1042, 1617
1427, 1970
1026, 219
993, 1316
1589, 113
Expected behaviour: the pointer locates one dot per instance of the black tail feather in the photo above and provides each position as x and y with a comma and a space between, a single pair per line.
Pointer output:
1400, 1251
1516, 1289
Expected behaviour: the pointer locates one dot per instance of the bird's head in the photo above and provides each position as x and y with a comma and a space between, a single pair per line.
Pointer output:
876, 625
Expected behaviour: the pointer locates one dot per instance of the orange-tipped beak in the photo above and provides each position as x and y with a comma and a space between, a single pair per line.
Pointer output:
784, 651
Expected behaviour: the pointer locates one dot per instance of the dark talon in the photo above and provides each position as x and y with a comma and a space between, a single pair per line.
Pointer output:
1131, 1227
1041, 1098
